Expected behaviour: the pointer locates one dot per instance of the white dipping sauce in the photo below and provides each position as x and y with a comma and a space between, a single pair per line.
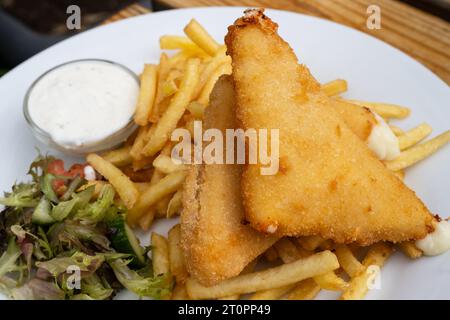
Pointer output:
382, 141
438, 241
83, 102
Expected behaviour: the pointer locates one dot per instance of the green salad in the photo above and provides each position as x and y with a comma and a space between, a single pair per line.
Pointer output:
62, 239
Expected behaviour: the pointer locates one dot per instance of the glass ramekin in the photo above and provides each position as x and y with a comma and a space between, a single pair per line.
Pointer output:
113, 140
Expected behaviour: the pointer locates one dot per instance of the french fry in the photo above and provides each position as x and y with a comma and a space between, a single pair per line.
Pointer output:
224, 68
201, 37
288, 252
396, 130
122, 184
142, 186
161, 207
176, 258
139, 142
272, 294
219, 59
146, 94
304, 290
196, 109
119, 157
375, 259
156, 192
168, 42
142, 175
310, 243
248, 269
179, 292
410, 249
175, 204
163, 70
330, 281
160, 254
166, 165
168, 121
142, 163
348, 261
276, 277
147, 219
414, 136
385, 110
335, 87
419, 152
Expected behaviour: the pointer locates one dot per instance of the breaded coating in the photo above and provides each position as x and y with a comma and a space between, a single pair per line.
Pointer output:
217, 242
329, 183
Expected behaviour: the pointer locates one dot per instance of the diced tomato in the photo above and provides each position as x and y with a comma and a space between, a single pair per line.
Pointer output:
76, 170
56, 167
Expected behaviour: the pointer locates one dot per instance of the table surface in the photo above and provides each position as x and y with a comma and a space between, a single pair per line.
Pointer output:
419, 34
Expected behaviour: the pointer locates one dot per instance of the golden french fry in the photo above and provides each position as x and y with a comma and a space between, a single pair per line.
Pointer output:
163, 70
176, 258
272, 294
119, 157
396, 130
348, 261
248, 269
304, 290
224, 68
419, 152
156, 192
276, 277
201, 37
175, 204
168, 121
147, 219
330, 281
122, 184
142, 186
335, 87
168, 42
219, 59
310, 243
161, 206
385, 110
286, 250
146, 94
166, 165
139, 142
414, 136
375, 259
179, 292
410, 249
160, 254
142, 163
196, 109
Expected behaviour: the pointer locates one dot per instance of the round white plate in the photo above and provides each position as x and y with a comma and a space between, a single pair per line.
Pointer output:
375, 72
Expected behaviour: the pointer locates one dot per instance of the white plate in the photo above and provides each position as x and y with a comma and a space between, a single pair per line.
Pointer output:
375, 71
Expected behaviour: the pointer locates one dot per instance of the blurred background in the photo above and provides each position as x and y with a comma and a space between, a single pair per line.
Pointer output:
27, 27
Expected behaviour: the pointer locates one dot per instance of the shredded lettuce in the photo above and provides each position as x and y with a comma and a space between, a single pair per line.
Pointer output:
96, 211
47, 187
38, 289
87, 264
154, 287
23, 195
9, 258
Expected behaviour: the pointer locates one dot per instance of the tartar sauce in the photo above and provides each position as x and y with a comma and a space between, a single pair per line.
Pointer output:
438, 241
382, 141
83, 102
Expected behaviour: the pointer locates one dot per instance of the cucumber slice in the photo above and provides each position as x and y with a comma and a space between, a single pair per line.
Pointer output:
41, 214
124, 241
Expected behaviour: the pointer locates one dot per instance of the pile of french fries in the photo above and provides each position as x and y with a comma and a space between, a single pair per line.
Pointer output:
173, 94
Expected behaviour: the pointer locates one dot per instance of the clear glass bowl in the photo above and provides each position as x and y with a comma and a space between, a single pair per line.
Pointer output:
113, 140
